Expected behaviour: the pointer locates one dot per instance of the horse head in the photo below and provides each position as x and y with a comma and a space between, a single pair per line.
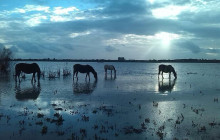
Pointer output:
95, 75
175, 74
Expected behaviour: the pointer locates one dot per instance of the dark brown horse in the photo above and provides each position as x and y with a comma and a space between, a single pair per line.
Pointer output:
166, 69
84, 69
28, 69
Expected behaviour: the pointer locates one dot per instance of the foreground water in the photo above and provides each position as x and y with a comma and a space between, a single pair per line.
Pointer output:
135, 104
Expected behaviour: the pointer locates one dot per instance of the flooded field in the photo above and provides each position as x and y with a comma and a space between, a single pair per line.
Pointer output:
133, 105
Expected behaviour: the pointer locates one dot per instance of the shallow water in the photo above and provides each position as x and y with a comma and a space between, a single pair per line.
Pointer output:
135, 104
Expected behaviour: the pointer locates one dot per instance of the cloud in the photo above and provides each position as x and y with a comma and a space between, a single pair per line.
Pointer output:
110, 49
30, 8
213, 50
189, 46
48, 29
125, 7
64, 11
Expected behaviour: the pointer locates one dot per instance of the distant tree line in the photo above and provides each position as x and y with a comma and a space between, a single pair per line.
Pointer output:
5, 56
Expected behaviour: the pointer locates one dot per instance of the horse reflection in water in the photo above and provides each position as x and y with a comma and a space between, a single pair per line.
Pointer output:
29, 93
84, 88
166, 86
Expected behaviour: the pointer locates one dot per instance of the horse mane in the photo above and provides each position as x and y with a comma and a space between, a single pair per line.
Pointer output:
92, 69
174, 72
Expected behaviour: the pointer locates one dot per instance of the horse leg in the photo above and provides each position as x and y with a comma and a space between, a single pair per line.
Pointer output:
17, 75
158, 74
86, 76
162, 75
169, 75
33, 78
77, 75
73, 74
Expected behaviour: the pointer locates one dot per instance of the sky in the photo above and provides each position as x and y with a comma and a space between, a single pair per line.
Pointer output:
108, 29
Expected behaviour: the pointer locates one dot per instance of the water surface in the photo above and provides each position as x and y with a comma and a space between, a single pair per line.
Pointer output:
134, 104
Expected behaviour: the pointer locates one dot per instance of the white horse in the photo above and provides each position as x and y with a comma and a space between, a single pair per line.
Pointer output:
110, 67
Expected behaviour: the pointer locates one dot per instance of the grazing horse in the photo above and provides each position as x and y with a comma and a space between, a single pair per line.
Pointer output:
84, 69
109, 67
167, 69
28, 69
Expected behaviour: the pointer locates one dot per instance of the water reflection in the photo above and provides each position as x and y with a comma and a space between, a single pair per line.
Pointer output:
166, 85
84, 88
110, 78
29, 93
5, 77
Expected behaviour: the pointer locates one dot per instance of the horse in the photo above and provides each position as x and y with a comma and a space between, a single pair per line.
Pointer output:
109, 67
84, 69
28, 69
167, 69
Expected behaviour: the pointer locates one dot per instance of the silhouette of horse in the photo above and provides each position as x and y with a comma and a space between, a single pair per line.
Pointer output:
166, 86
84, 69
166, 69
28, 69
110, 67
